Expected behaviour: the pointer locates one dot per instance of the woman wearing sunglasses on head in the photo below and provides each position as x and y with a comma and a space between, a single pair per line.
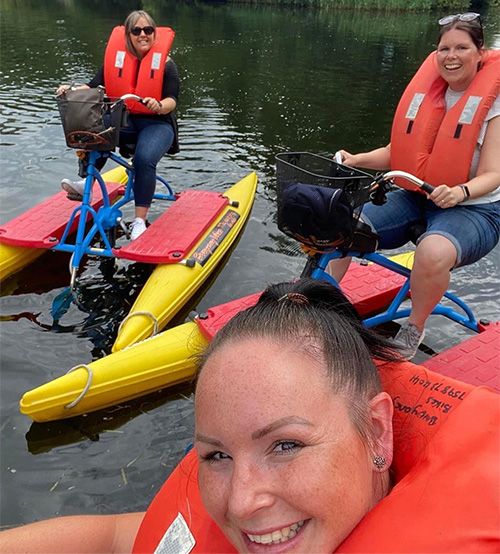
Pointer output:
312, 437
446, 131
137, 61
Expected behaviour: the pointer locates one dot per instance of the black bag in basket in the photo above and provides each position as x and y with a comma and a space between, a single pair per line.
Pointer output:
319, 217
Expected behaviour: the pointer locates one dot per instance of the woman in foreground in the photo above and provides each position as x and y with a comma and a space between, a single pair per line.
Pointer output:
297, 448
293, 431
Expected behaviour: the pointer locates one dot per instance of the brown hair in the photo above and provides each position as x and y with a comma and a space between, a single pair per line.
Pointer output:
130, 22
474, 29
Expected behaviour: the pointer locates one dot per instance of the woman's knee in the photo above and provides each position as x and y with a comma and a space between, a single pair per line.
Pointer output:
146, 160
435, 253
154, 142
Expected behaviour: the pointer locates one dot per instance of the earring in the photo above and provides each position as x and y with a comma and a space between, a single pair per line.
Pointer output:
379, 462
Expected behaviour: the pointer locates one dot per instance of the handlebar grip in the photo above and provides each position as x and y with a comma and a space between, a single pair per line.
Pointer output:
426, 187
133, 97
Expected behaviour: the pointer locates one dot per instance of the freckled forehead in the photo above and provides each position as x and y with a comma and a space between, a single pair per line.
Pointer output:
263, 369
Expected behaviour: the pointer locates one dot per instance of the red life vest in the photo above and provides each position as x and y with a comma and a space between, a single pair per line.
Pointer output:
434, 144
446, 496
125, 74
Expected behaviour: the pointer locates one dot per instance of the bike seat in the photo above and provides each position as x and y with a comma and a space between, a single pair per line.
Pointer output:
364, 240
127, 150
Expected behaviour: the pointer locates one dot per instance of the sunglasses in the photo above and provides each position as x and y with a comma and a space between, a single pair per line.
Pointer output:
469, 16
136, 31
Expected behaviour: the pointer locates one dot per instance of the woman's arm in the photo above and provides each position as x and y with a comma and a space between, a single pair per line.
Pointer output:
487, 178
379, 159
75, 534
64, 88
488, 171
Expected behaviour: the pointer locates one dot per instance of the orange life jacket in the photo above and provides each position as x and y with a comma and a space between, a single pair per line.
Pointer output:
434, 144
446, 496
125, 74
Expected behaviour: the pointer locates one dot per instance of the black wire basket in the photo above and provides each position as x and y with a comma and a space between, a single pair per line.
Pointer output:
311, 170
92, 125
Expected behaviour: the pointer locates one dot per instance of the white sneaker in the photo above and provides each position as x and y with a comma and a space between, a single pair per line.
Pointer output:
137, 227
75, 189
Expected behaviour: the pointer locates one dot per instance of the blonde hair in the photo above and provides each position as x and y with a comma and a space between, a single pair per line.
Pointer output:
130, 22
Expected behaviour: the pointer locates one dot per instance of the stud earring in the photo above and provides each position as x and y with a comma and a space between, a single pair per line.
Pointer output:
379, 462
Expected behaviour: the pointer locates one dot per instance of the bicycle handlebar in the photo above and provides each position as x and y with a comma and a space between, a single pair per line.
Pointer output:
131, 97
426, 187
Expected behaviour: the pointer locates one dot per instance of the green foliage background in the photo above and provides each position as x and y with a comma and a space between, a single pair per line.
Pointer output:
383, 5
407, 5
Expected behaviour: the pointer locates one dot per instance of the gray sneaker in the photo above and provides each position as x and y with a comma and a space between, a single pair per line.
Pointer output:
75, 189
408, 340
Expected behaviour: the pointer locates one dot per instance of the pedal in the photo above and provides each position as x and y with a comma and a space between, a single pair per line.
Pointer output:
124, 227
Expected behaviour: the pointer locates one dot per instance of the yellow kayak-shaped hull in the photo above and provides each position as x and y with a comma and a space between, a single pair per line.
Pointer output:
15, 258
164, 360
171, 285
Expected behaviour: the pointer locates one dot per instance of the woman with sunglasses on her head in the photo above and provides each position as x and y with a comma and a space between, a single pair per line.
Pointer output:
303, 443
137, 61
446, 131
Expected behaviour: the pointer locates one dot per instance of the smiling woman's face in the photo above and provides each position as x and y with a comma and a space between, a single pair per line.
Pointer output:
458, 59
143, 42
282, 467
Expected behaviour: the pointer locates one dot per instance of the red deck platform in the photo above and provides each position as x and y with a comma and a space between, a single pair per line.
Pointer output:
371, 287
215, 318
44, 224
475, 361
176, 231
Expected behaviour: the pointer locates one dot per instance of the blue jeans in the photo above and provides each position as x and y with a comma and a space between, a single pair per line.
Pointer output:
473, 230
152, 138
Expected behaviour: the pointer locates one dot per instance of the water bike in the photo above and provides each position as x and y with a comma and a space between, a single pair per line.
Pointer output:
377, 287
186, 242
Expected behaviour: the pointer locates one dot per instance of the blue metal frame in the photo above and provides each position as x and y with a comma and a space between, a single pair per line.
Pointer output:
394, 311
108, 216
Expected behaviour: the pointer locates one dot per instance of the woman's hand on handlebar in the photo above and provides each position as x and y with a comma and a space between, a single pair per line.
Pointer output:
156, 106
347, 158
63, 88
447, 197
152, 104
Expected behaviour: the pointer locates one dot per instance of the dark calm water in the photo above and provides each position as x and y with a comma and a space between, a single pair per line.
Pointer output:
255, 81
